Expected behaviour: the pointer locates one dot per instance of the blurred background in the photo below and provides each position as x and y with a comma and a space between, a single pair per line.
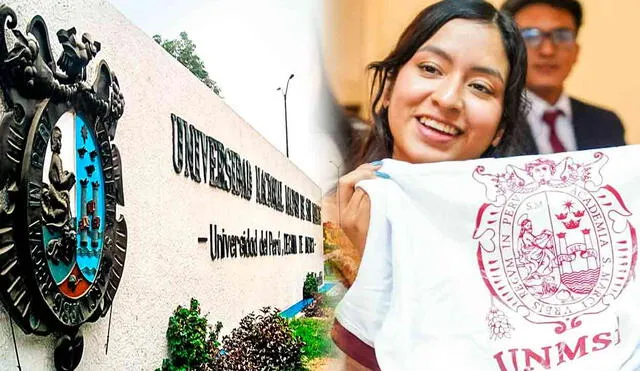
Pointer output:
358, 32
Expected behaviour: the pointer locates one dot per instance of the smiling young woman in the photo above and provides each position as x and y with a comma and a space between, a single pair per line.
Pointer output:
446, 101
452, 89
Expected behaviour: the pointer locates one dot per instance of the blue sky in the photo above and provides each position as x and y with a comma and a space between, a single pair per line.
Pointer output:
250, 47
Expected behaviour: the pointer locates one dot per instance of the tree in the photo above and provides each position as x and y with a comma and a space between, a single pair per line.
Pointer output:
183, 49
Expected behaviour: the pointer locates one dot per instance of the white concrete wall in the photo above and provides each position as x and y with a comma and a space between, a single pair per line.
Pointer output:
166, 212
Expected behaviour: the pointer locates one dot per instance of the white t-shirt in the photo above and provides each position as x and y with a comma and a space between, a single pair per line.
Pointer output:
523, 263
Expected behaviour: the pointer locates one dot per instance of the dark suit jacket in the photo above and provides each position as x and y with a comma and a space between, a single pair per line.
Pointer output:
594, 127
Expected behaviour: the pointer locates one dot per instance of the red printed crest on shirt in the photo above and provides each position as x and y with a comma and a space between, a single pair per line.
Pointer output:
554, 242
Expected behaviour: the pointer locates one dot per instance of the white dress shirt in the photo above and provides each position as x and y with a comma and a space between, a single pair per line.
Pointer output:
540, 129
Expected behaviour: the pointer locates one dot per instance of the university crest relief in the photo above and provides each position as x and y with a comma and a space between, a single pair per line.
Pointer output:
554, 241
62, 243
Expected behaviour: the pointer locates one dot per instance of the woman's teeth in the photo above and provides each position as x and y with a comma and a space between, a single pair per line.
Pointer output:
439, 126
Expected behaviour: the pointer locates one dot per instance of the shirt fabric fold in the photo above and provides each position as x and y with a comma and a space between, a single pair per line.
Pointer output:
523, 263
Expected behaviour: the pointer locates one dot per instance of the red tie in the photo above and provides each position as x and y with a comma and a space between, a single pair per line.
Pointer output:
550, 118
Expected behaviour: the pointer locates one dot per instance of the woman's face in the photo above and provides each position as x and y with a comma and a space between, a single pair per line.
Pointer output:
447, 100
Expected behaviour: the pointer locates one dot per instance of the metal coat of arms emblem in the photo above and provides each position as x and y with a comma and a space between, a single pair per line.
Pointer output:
554, 241
62, 246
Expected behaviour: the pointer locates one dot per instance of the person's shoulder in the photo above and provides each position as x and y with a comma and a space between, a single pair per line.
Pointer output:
596, 127
580, 107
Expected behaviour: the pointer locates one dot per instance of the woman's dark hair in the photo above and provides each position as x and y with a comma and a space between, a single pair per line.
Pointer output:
379, 144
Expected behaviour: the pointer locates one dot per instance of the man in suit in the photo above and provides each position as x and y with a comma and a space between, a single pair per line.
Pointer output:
558, 122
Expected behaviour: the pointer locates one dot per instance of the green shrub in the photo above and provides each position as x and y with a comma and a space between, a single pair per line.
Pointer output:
263, 341
316, 308
314, 332
310, 286
190, 342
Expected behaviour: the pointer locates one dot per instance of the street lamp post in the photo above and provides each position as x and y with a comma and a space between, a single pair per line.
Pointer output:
338, 191
286, 128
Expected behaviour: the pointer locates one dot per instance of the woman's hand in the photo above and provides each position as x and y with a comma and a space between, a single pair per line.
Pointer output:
354, 206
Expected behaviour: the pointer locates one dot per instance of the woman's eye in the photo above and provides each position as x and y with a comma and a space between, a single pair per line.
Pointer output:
481, 88
430, 69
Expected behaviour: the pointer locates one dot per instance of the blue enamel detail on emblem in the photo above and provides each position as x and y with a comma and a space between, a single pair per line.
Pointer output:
90, 204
